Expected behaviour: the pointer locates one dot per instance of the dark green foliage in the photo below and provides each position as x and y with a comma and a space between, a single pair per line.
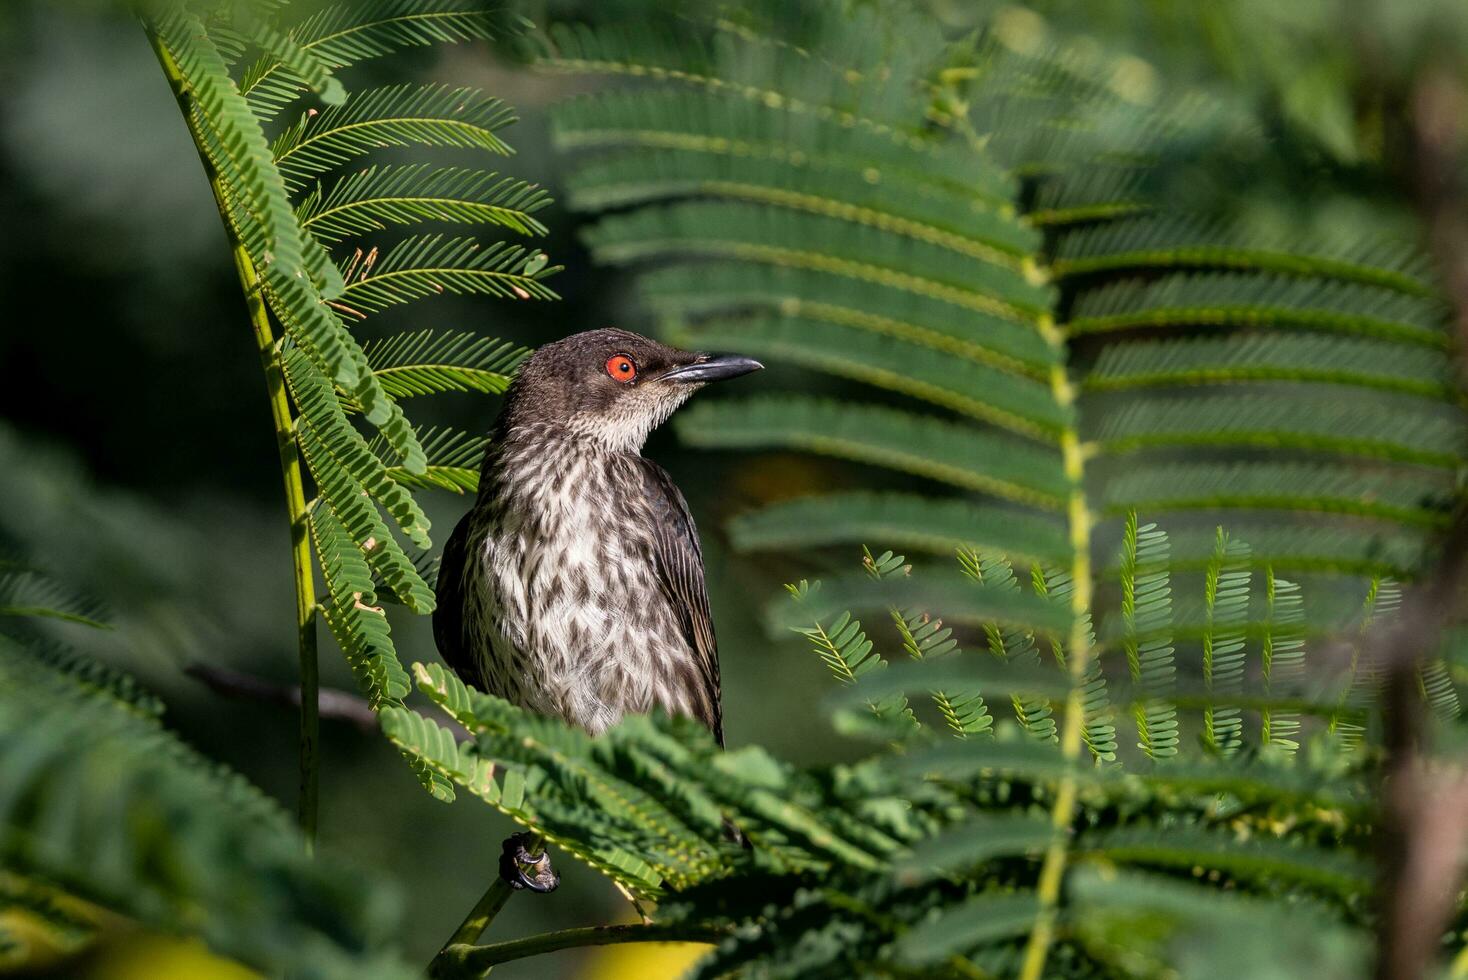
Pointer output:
646, 802
1180, 815
321, 142
425, 362
1104, 749
1052, 271
453, 461
98, 801
61, 925
827, 228
380, 197
340, 36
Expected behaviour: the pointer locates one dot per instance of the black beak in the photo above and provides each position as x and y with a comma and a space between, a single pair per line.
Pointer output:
716, 367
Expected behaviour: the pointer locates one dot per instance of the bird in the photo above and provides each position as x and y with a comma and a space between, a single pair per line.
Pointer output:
574, 586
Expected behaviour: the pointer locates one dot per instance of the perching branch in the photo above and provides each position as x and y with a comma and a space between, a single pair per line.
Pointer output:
461, 962
445, 963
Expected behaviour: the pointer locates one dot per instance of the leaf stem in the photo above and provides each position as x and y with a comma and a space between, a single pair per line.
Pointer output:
290, 460
462, 962
1072, 732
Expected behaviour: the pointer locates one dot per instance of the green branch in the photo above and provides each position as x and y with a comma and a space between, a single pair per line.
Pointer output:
1073, 723
479, 918
461, 962
290, 460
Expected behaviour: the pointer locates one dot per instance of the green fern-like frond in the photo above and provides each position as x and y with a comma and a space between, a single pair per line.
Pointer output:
1439, 691
306, 64
343, 449
845, 650
1370, 429
825, 296
236, 144
425, 362
926, 638
1100, 728
1282, 657
1014, 644
291, 269
982, 919
337, 456
1226, 606
1303, 549
726, 168
27, 592
1351, 721
453, 461
810, 228
344, 34
1118, 910
923, 446
399, 115
1276, 859
981, 392
848, 250
30, 596
1146, 610
380, 197
1005, 239
937, 526
1223, 299
1162, 241
252, 892
1259, 356
1302, 488
644, 802
358, 624
352, 507
88, 673
988, 604
431, 265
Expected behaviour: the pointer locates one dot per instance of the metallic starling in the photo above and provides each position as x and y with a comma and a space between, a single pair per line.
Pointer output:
575, 585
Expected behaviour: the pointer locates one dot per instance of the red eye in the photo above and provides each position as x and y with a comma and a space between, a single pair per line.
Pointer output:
621, 367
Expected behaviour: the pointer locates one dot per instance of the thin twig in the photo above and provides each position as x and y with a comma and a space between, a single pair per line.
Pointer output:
332, 703
1424, 818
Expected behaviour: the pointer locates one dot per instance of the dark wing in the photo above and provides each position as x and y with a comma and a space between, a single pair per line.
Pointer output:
448, 614
679, 562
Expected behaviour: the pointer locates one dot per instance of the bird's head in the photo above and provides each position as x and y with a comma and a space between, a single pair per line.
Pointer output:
612, 386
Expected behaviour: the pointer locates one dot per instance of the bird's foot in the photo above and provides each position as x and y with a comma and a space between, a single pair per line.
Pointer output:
521, 869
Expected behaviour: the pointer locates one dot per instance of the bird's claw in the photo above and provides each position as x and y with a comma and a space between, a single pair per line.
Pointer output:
521, 869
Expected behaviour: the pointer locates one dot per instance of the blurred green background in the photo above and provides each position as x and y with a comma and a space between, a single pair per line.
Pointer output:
136, 462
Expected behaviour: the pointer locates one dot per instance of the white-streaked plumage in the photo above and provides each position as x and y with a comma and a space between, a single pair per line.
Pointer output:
557, 589
575, 586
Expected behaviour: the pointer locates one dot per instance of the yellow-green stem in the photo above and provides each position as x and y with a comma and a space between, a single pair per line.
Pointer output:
290, 461
446, 963
1072, 731
1073, 725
